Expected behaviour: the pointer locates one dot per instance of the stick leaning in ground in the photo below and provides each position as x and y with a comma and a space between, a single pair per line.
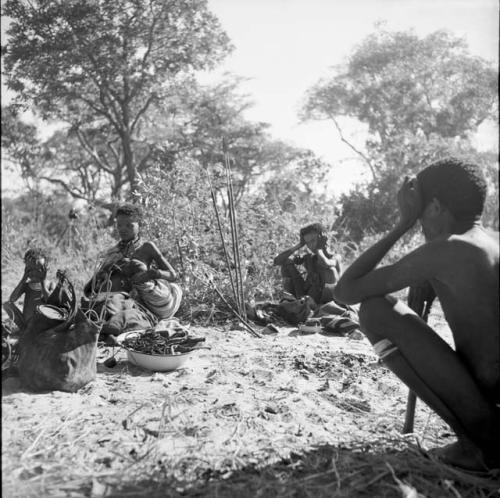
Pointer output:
420, 299
219, 225
234, 234
208, 280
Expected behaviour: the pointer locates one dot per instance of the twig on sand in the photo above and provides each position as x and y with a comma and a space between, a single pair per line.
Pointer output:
209, 281
242, 320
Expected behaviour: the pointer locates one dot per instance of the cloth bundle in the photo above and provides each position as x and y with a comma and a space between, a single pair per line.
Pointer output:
160, 297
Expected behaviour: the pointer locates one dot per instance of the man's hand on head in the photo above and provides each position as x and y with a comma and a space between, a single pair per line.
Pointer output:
410, 202
321, 242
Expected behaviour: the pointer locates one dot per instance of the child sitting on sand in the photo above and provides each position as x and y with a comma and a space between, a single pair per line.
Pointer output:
33, 284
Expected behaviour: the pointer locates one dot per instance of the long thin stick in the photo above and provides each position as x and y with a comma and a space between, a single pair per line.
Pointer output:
243, 321
226, 256
208, 280
421, 304
233, 239
236, 248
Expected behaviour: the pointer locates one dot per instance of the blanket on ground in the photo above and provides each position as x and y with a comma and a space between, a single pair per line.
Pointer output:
299, 312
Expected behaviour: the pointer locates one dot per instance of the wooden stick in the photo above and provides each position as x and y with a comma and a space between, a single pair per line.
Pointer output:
411, 404
234, 233
243, 321
234, 241
420, 300
226, 256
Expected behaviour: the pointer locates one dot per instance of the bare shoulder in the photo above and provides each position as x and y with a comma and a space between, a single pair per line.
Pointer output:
478, 240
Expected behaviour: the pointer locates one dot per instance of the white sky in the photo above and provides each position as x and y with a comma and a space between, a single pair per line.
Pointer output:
285, 46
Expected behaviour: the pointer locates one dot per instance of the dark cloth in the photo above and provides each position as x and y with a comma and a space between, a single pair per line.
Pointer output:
120, 313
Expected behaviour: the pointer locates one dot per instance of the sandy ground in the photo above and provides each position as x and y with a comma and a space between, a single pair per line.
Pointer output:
244, 405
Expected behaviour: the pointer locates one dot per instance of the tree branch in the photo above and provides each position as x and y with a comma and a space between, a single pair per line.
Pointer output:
88, 148
64, 185
115, 154
142, 164
139, 84
363, 156
142, 111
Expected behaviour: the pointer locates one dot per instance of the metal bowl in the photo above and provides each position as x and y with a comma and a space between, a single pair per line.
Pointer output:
157, 363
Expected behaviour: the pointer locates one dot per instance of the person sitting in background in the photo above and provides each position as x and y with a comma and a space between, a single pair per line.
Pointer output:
33, 285
460, 260
134, 264
315, 288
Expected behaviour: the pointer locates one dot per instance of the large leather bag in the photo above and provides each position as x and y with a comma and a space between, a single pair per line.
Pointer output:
60, 358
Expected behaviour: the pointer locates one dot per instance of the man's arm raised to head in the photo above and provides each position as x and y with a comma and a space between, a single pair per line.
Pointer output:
362, 280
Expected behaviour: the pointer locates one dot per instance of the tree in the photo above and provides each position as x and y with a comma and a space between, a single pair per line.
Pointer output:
194, 122
422, 98
94, 64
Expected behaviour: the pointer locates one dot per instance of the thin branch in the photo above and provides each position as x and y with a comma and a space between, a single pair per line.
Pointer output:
100, 111
343, 139
142, 163
88, 148
139, 84
142, 111
64, 185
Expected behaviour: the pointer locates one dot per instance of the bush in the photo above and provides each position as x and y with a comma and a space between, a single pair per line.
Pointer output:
180, 217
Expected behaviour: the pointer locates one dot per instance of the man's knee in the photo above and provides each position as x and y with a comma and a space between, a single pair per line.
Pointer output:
369, 311
374, 314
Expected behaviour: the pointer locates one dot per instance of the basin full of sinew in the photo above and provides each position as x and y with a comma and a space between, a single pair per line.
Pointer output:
157, 363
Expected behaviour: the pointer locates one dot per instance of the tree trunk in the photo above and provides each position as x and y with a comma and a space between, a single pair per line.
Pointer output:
128, 159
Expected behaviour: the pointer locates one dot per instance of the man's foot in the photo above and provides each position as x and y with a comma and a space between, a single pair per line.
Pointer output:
462, 454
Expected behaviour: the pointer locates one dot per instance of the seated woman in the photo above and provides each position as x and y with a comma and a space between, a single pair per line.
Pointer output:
137, 267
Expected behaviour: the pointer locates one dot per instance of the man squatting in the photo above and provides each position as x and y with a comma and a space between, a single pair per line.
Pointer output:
460, 260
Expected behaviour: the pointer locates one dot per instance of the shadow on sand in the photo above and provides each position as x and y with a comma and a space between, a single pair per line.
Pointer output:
369, 470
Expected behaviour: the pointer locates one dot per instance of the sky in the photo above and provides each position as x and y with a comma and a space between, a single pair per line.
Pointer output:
285, 46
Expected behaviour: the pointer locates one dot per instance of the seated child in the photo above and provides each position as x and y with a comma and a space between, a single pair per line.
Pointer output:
313, 292
33, 284
322, 268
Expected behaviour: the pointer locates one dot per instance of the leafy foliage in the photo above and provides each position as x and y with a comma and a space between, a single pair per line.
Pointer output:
422, 99
93, 63
180, 217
